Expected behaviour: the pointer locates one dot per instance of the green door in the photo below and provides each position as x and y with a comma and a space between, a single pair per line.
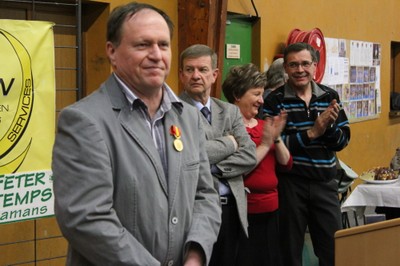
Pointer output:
237, 44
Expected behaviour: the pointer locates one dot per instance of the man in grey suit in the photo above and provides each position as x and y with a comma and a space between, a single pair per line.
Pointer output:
229, 147
132, 181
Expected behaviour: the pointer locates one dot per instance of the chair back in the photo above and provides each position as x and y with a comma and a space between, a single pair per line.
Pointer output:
345, 176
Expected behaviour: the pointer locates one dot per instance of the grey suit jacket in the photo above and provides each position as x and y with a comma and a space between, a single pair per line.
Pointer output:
226, 119
112, 201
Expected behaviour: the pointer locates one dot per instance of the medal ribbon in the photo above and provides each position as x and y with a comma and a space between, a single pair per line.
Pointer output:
174, 131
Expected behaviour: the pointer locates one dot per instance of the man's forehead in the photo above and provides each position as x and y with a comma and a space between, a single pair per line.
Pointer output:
146, 16
198, 61
303, 53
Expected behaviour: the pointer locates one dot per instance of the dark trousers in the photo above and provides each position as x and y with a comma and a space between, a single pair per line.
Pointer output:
302, 203
225, 249
262, 247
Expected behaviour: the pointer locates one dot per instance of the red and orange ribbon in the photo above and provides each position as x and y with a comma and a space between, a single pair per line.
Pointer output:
175, 131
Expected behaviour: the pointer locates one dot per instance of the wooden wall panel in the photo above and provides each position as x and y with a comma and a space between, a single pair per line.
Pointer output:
16, 232
51, 248
13, 13
203, 22
96, 67
17, 252
52, 262
369, 245
47, 227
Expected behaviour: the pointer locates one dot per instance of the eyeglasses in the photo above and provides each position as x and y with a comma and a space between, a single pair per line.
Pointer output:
303, 64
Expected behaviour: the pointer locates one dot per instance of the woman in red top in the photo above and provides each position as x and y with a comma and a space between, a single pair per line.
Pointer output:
244, 86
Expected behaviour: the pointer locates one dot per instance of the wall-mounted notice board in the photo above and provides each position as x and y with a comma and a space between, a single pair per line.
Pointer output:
353, 70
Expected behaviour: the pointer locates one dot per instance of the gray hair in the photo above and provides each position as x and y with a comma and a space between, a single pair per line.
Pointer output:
276, 74
199, 50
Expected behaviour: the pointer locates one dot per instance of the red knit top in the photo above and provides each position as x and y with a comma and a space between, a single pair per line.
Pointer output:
262, 181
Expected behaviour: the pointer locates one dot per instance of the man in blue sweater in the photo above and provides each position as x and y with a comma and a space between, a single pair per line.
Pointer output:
316, 128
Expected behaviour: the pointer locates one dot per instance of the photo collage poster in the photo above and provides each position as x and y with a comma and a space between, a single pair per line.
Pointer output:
353, 70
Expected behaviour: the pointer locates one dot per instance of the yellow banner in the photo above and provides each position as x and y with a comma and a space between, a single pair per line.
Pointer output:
27, 100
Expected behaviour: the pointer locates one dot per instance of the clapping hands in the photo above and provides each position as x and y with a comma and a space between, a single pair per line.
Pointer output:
325, 120
273, 127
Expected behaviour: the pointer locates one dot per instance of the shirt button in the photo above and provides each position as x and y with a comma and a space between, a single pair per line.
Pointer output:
174, 220
170, 263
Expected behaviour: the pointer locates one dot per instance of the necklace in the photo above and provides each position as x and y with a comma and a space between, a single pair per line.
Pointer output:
248, 123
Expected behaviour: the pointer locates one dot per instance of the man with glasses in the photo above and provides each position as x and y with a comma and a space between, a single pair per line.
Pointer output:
316, 128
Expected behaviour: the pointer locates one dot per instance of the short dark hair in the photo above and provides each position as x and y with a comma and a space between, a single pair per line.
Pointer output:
242, 78
199, 50
119, 15
298, 47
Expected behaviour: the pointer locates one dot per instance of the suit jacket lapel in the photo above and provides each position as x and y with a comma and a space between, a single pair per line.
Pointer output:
184, 96
174, 156
217, 117
216, 129
136, 127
